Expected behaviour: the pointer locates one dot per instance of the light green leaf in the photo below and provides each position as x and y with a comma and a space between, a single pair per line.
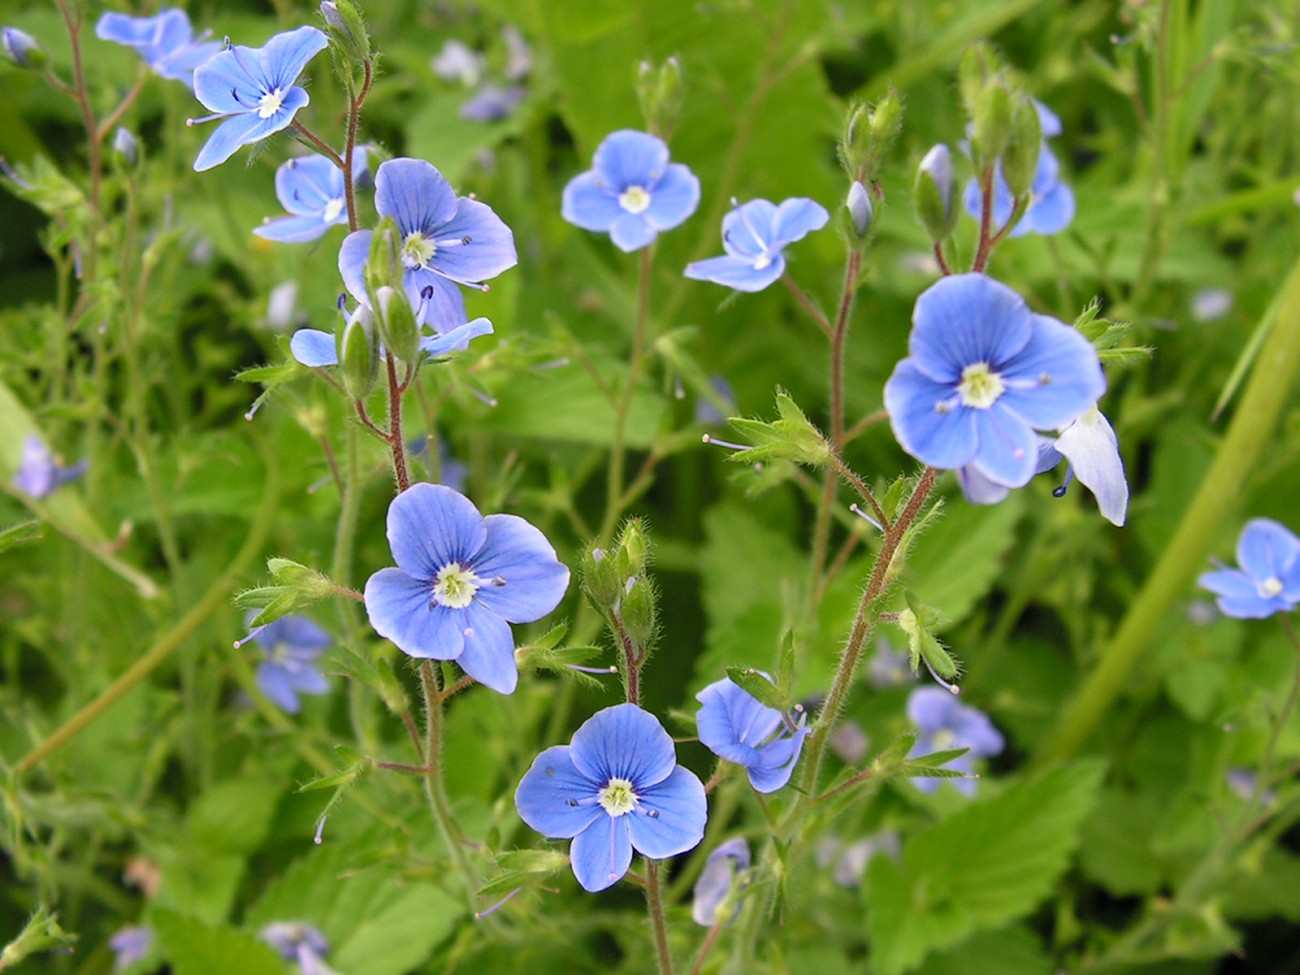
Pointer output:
193, 948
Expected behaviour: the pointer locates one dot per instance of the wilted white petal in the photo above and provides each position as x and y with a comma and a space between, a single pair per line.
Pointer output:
1090, 446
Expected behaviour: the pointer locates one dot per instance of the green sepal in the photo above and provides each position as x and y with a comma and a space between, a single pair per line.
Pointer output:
397, 322
1020, 158
792, 437
296, 586
659, 90
600, 579
785, 663
916, 622
532, 861
41, 933
383, 267
358, 354
759, 688
633, 549
638, 612
347, 32
359, 766
992, 122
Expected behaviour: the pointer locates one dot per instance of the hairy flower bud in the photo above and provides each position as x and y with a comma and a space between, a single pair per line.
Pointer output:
1020, 158
861, 212
868, 133
397, 323
659, 90
991, 124
935, 193
358, 351
633, 547
638, 612
600, 579
22, 48
346, 30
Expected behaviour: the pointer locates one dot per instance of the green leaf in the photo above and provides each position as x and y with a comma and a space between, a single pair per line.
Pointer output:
981, 868
1009, 951
24, 531
233, 816
193, 948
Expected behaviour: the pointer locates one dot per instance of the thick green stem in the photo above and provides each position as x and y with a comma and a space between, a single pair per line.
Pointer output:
434, 787
1244, 443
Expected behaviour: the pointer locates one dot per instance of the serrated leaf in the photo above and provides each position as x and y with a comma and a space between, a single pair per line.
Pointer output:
193, 948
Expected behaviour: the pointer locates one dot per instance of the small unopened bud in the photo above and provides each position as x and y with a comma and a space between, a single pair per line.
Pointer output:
1020, 158
125, 146
861, 212
22, 48
977, 66
358, 353
934, 193
600, 579
638, 612
346, 30
397, 323
868, 133
659, 90
991, 124
633, 546
383, 267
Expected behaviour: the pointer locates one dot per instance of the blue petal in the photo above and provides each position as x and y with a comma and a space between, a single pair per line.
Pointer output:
457, 340
1266, 549
736, 272
629, 158
673, 199
778, 761
1008, 449
352, 263
399, 610
545, 791
444, 309
304, 637
274, 681
1048, 121
624, 742
631, 232
414, 194
223, 85
796, 218
181, 64
670, 816
131, 31
285, 55
306, 185
490, 248
589, 204
236, 131
1054, 378
943, 440
966, 319
601, 853
430, 526
292, 230
975, 731
489, 653
532, 581
931, 709
978, 489
1239, 595
724, 714
1052, 212
313, 347
747, 229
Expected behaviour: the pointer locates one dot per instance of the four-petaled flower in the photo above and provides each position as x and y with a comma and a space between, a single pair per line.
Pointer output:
614, 788
253, 90
754, 235
165, 42
39, 475
984, 372
735, 726
944, 724
460, 580
1268, 581
310, 188
291, 645
1051, 202
717, 881
631, 192
446, 241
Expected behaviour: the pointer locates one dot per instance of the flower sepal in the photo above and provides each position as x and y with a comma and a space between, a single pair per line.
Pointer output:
934, 194
296, 586
792, 437
358, 352
1020, 158
347, 33
760, 688
917, 621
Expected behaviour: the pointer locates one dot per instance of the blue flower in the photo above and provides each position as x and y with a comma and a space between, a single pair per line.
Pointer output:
735, 726
984, 372
301, 942
614, 788
21, 47
130, 944
717, 880
165, 42
310, 188
253, 90
631, 192
39, 475
1268, 581
460, 580
291, 645
446, 241
315, 348
493, 102
944, 724
1051, 202
754, 236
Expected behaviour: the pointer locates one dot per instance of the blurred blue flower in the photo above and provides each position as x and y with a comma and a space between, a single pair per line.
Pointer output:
291, 645
735, 726
130, 944
717, 879
614, 788
889, 667
21, 47
631, 192
457, 61
944, 724
310, 188
1051, 202
493, 102
984, 372
848, 861
452, 472
301, 942
253, 91
446, 241
1268, 581
165, 42
460, 580
754, 236
39, 475
315, 348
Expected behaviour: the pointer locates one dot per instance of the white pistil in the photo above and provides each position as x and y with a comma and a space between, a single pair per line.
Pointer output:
634, 199
617, 797
417, 250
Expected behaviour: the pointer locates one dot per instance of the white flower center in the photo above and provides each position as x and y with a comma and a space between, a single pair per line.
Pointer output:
634, 199
270, 103
417, 249
761, 262
455, 587
980, 386
1270, 587
943, 739
617, 797
332, 209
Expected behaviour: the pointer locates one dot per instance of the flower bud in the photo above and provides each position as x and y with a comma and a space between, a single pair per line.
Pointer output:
22, 48
383, 270
659, 90
638, 612
861, 212
125, 146
991, 123
600, 579
1020, 158
633, 547
868, 134
346, 30
934, 193
978, 65
358, 352
397, 323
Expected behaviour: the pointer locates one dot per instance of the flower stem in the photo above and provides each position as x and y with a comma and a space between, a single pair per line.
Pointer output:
986, 220
321, 146
655, 905
434, 787
395, 443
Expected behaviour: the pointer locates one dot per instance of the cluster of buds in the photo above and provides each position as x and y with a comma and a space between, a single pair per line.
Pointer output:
869, 132
617, 584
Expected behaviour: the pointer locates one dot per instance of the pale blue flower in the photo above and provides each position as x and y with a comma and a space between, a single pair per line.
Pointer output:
252, 90
717, 881
130, 945
632, 192
165, 42
754, 236
735, 726
311, 189
21, 47
460, 581
38, 474
1268, 581
291, 645
614, 788
944, 724
984, 372
493, 102
300, 942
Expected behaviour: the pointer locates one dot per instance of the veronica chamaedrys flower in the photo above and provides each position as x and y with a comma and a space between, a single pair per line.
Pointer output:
716, 881
632, 192
38, 474
130, 945
315, 348
311, 189
945, 724
735, 726
290, 646
446, 241
614, 788
754, 236
301, 942
1051, 202
1268, 581
983, 372
21, 47
252, 90
460, 581
165, 42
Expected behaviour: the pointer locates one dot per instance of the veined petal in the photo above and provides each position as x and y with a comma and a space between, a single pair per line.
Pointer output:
747, 229
285, 55
414, 194
630, 158
674, 198
400, 610
946, 440
222, 84
236, 131
181, 64
796, 218
631, 232
966, 319
488, 248
306, 185
624, 742
745, 718
1054, 378
1266, 549
1090, 446
589, 204
523, 580
1052, 212
430, 526
1048, 121
545, 791
1228, 582
601, 853
777, 762
444, 308
738, 273
352, 263
671, 816
978, 488
457, 340
975, 731
313, 347
489, 652
292, 230
1008, 448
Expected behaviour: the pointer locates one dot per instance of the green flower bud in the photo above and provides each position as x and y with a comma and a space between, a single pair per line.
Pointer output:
1020, 158
383, 268
659, 90
358, 350
934, 194
600, 579
346, 30
397, 323
991, 122
124, 146
638, 612
633, 548
861, 212
978, 65
868, 134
